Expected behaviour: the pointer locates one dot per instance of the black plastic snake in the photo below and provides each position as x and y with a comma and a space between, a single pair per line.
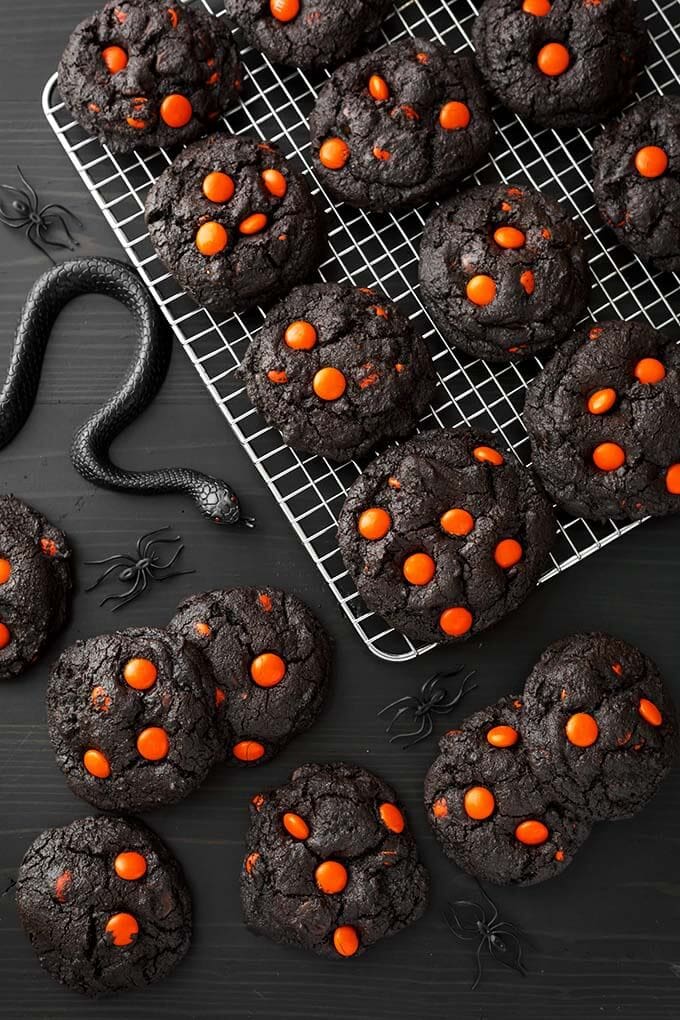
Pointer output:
90, 450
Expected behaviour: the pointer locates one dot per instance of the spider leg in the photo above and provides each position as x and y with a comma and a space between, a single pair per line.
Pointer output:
424, 732
42, 229
14, 222
514, 963
393, 703
29, 187
164, 566
456, 927
62, 210
398, 714
176, 573
142, 551
464, 689
103, 577
37, 241
494, 908
122, 595
57, 219
16, 191
478, 964
135, 593
116, 556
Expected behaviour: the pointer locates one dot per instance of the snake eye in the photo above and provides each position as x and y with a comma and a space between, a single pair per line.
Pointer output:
217, 520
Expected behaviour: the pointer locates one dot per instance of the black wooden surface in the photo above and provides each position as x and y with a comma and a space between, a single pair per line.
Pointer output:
606, 935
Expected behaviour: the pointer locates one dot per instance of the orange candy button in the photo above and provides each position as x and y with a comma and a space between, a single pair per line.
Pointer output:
532, 832
295, 826
140, 674
602, 401
176, 110
284, 10
608, 457
650, 371
331, 877
5, 571
211, 238
502, 736
374, 523
153, 743
253, 224
509, 237
115, 58
457, 522
582, 730
539, 8
248, 750
480, 290
419, 568
487, 455
275, 183
267, 670
651, 161
454, 115
672, 480
130, 865
508, 553
479, 803
553, 59
378, 88
203, 629
334, 153
391, 817
218, 187
329, 383
123, 929
440, 808
456, 621
97, 764
649, 712
346, 940
300, 336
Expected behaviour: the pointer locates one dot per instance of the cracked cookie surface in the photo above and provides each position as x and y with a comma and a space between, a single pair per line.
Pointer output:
503, 271
636, 182
330, 864
604, 422
560, 63
35, 582
144, 73
338, 370
234, 222
599, 724
445, 534
272, 662
104, 904
399, 126
131, 718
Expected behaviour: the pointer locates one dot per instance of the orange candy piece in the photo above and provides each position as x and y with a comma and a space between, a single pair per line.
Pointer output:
651, 161
650, 371
508, 553
295, 826
267, 670
130, 865
374, 523
211, 238
479, 803
528, 281
331, 877
284, 10
502, 736
153, 743
553, 59
532, 832
123, 929
5, 571
457, 522
140, 674
456, 621
608, 457
115, 58
346, 940
97, 764
218, 187
480, 290
672, 480
509, 237
539, 8
391, 817
487, 455
176, 110
334, 153
419, 568
300, 336
582, 730
253, 224
329, 383
454, 115
649, 712
440, 808
602, 401
378, 88
275, 183
203, 629
248, 750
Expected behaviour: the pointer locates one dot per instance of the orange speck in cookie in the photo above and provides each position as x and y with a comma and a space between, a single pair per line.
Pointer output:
277, 377
62, 885
528, 281
394, 483
100, 699
617, 668
440, 808
220, 697
250, 862
559, 855
265, 601
258, 801
595, 332
381, 154
202, 629
423, 58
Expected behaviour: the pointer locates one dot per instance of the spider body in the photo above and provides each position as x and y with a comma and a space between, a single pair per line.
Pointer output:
432, 700
26, 213
139, 569
501, 938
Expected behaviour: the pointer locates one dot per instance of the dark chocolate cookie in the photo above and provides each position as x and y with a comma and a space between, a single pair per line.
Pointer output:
503, 271
149, 73
306, 33
599, 725
604, 421
105, 905
490, 813
35, 582
445, 534
234, 222
131, 716
338, 370
330, 864
636, 164
400, 126
562, 63
271, 660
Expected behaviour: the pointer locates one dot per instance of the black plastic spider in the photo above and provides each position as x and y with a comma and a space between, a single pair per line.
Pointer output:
432, 699
27, 213
141, 568
501, 938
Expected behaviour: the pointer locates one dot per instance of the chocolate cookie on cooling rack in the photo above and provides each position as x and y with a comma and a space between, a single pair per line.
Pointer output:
636, 163
560, 63
35, 581
234, 222
400, 126
331, 865
132, 719
304, 34
337, 370
503, 271
445, 534
271, 660
599, 725
105, 905
604, 422
148, 73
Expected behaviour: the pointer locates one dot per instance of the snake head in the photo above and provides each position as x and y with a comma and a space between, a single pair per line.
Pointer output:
219, 503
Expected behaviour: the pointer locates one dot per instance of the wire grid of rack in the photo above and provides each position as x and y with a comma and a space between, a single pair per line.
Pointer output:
382, 250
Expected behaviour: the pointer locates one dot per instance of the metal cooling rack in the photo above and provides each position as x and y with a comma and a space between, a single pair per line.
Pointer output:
381, 250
